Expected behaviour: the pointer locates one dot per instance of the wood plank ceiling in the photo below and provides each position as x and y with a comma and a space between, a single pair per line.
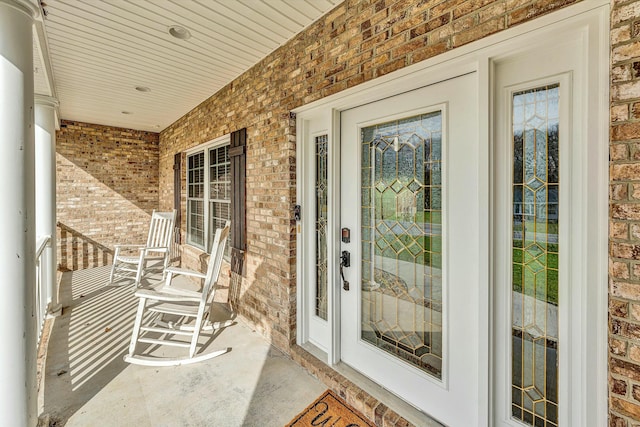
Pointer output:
101, 50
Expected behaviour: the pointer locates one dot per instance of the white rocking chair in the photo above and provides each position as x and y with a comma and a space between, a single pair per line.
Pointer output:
157, 249
184, 305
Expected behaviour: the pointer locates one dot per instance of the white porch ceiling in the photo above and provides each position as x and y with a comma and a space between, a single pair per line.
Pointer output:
101, 50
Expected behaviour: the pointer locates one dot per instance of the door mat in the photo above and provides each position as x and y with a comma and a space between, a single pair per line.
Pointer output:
330, 410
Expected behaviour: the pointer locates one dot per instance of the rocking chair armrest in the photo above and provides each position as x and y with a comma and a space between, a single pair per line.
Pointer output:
185, 272
154, 249
160, 296
128, 246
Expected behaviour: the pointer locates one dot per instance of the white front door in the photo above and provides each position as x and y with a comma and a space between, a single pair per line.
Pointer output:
410, 197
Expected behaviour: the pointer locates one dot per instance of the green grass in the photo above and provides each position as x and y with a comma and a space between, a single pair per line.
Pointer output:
541, 281
540, 227
429, 217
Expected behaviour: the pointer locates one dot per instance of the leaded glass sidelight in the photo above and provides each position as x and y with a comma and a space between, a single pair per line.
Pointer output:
401, 213
321, 225
535, 256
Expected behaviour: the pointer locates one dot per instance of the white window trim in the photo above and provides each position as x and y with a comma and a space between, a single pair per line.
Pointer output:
202, 148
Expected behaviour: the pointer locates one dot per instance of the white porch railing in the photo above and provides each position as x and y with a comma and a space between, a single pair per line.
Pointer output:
43, 277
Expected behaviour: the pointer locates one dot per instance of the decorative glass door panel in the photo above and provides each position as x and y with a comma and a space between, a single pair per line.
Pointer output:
536, 163
402, 239
409, 196
322, 190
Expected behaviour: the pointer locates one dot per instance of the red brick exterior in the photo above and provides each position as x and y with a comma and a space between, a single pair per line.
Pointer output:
107, 186
624, 226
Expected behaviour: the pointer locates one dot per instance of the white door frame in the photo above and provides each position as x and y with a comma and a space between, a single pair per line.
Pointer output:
591, 19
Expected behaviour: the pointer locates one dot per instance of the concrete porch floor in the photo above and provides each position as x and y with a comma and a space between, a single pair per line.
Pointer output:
86, 382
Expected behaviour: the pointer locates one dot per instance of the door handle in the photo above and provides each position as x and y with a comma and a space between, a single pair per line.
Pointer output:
345, 262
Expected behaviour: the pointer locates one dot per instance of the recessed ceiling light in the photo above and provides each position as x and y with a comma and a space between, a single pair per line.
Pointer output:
179, 32
143, 89
127, 112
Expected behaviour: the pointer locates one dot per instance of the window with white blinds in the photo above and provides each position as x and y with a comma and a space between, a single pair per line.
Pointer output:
208, 193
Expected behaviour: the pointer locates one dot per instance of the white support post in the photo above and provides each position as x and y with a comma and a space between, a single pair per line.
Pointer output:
46, 191
18, 389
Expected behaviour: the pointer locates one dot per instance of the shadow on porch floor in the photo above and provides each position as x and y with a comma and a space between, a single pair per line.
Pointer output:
86, 382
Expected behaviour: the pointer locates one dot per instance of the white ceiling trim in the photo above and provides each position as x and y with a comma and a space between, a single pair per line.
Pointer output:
99, 51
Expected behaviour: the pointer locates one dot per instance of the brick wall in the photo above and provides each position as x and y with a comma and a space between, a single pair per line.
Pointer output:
355, 42
624, 231
107, 186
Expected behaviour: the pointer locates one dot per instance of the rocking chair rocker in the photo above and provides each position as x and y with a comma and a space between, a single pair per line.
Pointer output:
183, 305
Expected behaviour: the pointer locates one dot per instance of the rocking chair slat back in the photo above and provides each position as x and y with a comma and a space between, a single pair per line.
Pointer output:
161, 229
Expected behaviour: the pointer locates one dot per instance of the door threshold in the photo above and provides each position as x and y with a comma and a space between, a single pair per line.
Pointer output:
361, 388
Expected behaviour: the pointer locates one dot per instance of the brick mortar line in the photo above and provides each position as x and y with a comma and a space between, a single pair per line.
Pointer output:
625, 319
628, 281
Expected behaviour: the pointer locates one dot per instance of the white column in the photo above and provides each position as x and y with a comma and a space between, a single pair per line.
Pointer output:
46, 190
18, 401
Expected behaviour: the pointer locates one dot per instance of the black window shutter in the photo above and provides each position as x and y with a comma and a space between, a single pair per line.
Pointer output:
177, 187
238, 158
